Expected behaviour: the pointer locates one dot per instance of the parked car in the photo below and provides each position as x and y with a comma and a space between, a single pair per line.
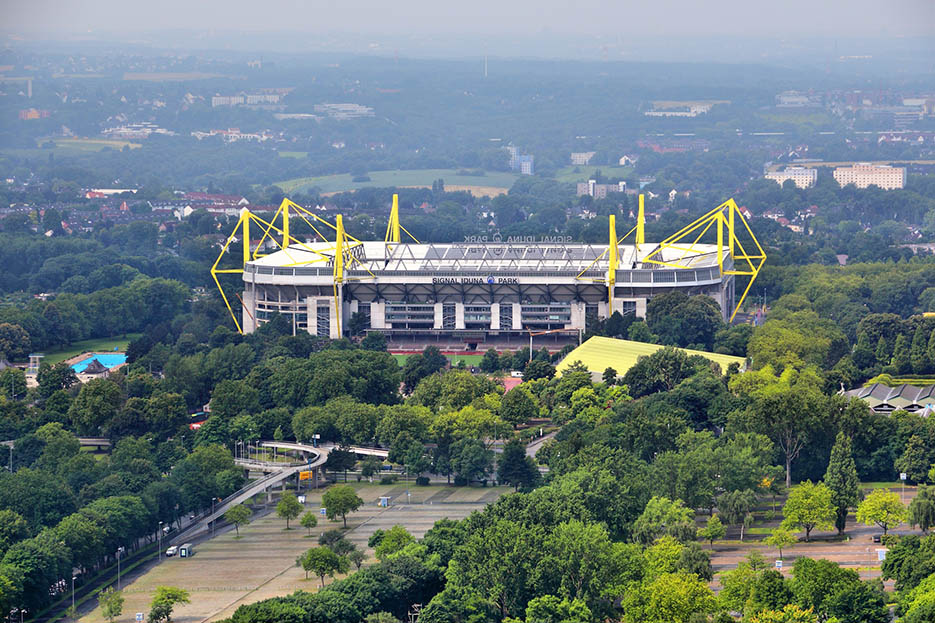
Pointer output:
877, 538
172, 551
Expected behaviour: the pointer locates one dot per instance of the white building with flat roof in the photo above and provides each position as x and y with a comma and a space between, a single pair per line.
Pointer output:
863, 174
801, 177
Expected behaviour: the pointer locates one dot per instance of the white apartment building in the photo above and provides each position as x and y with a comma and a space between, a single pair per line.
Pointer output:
800, 176
863, 174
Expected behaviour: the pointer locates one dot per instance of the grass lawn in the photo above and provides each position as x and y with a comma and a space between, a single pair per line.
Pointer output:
469, 360
99, 345
411, 177
881, 485
568, 174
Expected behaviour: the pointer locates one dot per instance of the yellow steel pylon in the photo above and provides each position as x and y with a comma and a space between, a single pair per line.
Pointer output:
393, 226
339, 254
723, 218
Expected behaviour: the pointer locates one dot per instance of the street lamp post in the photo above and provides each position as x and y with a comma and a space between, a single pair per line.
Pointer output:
120, 551
214, 519
159, 542
73, 593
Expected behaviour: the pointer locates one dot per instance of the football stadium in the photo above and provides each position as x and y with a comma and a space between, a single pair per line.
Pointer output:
479, 291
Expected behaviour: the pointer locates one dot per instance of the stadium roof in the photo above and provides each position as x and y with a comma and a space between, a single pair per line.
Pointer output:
480, 257
600, 353
885, 399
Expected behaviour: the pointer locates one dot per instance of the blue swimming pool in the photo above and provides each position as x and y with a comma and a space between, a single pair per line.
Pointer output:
109, 360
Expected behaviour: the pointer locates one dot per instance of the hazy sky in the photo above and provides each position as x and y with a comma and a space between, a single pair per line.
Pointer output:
627, 18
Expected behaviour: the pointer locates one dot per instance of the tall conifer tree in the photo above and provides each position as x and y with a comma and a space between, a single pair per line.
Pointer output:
841, 478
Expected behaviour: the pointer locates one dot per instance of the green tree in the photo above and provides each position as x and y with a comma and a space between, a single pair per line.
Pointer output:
370, 466
470, 460
14, 341
321, 561
357, 557
790, 613
551, 609
517, 407
538, 369
695, 560
578, 562
164, 601
901, 355
737, 507
419, 366
789, 409
609, 377
392, 541
918, 352
13, 528
863, 354
670, 598
883, 508
914, 460
497, 561
239, 516
110, 603
780, 538
309, 521
490, 362
95, 406
13, 383
664, 516
53, 378
882, 352
374, 340
288, 507
808, 507
921, 509
515, 468
713, 530
841, 478
339, 500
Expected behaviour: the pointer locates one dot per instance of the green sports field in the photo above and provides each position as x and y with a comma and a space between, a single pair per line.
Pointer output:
469, 360
568, 174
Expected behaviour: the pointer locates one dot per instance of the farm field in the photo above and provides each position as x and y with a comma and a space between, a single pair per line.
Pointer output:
227, 572
411, 178
93, 144
584, 173
70, 146
98, 345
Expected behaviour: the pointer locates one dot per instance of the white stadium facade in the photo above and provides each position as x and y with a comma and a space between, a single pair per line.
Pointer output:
479, 291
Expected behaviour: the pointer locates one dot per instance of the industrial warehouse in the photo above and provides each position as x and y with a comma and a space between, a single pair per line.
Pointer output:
479, 291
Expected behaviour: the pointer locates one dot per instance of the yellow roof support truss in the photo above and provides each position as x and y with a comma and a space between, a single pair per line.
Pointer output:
724, 219
339, 255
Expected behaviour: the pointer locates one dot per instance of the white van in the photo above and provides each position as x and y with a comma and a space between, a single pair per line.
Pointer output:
172, 551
